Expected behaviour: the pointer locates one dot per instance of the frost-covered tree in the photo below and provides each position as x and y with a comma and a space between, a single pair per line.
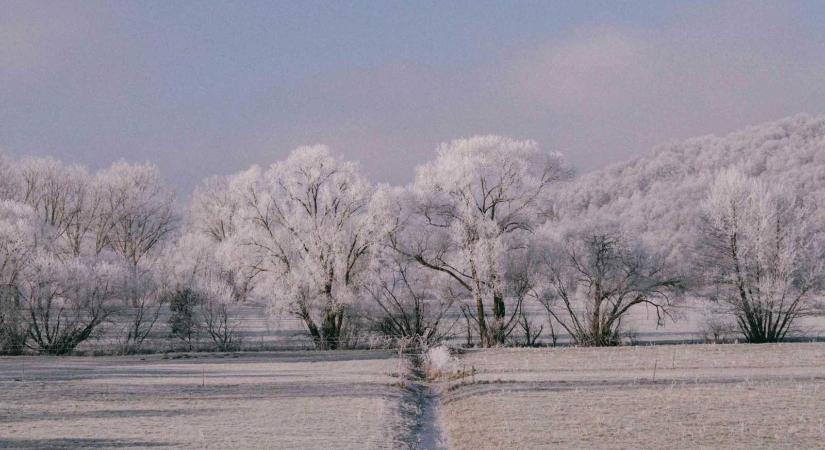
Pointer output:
63, 198
136, 214
140, 209
19, 231
208, 299
763, 252
408, 302
66, 301
64, 290
9, 183
659, 195
472, 208
594, 274
215, 208
215, 215
305, 219
224, 279
120, 215
523, 279
219, 311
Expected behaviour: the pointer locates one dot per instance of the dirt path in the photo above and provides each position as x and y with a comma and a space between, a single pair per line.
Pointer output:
428, 434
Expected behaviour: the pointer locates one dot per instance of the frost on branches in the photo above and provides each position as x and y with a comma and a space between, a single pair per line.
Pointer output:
92, 239
305, 220
594, 273
471, 209
490, 225
763, 249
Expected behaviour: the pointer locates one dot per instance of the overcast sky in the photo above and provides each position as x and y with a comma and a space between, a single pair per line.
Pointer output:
205, 88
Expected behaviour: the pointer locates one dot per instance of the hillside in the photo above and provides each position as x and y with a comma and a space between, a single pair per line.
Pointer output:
658, 195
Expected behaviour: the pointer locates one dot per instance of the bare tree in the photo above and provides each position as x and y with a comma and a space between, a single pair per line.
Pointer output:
221, 324
522, 280
762, 255
595, 276
409, 302
218, 315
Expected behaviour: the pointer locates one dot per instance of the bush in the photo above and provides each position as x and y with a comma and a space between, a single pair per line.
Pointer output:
439, 363
183, 321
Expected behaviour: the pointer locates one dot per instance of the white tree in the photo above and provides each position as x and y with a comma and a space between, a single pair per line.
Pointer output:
215, 208
763, 252
474, 206
66, 288
140, 209
136, 215
66, 301
218, 313
63, 197
306, 220
594, 274
9, 183
19, 234
216, 215
118, 217
192, 271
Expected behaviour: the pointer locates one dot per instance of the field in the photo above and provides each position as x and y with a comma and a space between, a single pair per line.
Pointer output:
307, 400
681, 396
669, 396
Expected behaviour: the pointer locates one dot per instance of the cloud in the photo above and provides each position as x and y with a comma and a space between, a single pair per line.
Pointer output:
617, 87
599, 93
95, 86
587, 70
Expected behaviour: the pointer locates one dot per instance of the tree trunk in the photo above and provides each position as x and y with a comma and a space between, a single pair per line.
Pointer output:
482, 322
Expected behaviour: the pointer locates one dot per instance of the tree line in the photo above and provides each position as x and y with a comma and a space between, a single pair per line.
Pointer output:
478, 232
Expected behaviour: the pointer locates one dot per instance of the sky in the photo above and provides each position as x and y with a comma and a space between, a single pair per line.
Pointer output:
207, 88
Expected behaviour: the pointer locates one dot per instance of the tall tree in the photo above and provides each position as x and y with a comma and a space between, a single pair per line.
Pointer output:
473, 206
19, 235
408, 301
306, 219
137, 213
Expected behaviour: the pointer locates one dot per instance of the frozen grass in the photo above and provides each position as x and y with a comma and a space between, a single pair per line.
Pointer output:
272, 400
691, 396
702, 396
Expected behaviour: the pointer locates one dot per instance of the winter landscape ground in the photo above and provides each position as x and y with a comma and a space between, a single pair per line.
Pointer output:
698, 396
347, 400
670, 396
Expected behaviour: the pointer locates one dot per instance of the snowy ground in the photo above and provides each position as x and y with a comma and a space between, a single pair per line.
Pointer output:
697, 396
676, 396
268, 400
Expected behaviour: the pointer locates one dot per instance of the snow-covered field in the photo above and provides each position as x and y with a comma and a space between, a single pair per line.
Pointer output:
668, 396
696, 396
266, 400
